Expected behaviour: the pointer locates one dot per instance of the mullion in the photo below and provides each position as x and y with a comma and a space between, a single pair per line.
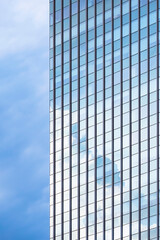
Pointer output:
121, 103
70, 120
62, 132
95, 119
54, 154
78, 119
104, 130
148, 127
157, 119
87, 120
139, 122
112, 120
130, 123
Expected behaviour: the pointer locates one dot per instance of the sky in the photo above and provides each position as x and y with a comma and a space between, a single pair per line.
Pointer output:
24, 120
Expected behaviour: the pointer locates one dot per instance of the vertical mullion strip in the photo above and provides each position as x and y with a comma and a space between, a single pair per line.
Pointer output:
95, 119
78, 120
157, 119
87, 120
104, 120
62, 150
139, 123
148, 133
112, 122
121, 127
54, 157
130, 126
70, 119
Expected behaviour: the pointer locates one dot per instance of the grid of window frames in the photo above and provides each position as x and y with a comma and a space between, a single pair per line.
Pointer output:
104, 119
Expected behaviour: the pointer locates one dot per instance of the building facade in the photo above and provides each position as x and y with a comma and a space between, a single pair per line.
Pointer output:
104, 119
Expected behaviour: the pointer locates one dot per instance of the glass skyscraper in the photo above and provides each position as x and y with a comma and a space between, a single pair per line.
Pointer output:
104, 119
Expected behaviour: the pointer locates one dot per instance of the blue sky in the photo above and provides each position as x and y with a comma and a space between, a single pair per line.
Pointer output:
24, 128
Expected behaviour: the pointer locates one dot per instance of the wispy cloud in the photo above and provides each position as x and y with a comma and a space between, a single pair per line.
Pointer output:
23, 25
41, 203
24, 128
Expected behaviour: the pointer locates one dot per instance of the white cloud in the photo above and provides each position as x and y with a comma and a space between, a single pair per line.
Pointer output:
25, 25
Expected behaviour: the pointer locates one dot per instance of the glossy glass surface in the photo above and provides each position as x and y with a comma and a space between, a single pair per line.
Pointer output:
104, 119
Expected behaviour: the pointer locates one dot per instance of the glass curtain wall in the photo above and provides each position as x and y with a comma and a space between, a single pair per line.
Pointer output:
104, 119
